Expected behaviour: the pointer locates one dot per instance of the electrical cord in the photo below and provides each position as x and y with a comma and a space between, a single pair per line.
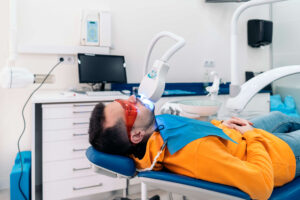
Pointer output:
24, 123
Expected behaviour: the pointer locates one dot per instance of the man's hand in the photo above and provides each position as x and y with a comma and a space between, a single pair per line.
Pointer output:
236, 121
241, 125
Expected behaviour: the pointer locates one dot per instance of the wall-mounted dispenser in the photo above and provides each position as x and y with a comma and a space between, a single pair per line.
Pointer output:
95, 28
259, 32
90, 28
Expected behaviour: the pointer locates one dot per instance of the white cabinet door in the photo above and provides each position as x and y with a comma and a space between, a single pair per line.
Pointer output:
79, 187
65, 123
68, 134
59, 111
64, 150
60, 170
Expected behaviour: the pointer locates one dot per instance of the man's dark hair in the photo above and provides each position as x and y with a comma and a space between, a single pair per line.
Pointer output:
111, 140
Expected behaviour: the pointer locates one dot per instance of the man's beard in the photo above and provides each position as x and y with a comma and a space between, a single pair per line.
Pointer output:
139, 149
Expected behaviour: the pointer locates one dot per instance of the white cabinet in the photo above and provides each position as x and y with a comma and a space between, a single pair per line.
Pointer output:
66, 170
60, 169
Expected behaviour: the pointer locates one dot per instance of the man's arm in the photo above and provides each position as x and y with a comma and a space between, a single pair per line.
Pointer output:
254, 175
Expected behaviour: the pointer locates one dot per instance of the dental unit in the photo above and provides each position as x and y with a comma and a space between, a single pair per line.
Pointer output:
241, 95
152, 88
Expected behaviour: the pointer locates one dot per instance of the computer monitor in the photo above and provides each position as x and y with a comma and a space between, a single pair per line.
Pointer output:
102, 69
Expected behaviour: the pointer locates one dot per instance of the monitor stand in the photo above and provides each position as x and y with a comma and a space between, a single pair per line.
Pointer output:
98, 86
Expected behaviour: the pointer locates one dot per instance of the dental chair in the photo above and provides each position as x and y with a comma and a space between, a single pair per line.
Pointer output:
121, 166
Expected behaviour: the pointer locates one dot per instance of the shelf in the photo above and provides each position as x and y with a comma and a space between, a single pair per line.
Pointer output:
64, 50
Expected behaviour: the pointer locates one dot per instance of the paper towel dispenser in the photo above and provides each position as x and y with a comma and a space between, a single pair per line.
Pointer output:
259, 32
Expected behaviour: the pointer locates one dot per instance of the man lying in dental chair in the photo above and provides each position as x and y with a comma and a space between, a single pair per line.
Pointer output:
253, 156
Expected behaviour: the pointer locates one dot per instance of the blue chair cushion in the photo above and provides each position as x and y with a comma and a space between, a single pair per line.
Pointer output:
119, 164
175, 178
290, 191
125, 166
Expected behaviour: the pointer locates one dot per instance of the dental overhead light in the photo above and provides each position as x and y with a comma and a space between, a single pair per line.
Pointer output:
241, 95
11, 76
16, 77
153, 84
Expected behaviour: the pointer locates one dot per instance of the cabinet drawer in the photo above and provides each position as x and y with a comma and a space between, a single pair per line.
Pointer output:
62, 150
69, 134
79, 187
69, 123
60, 170
57, 111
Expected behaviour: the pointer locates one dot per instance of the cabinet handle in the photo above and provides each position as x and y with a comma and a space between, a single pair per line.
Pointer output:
76, 150
79, 134
86, 187
80, 112
83, 168
80, 123
83, 105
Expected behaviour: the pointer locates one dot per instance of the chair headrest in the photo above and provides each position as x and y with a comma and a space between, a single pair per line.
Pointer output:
119, 164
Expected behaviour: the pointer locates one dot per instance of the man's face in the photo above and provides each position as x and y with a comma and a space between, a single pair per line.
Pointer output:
145, 113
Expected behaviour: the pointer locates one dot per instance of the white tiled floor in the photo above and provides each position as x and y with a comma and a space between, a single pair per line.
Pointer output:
4, 195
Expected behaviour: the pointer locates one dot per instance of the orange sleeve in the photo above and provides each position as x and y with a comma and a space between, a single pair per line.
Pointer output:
253, 175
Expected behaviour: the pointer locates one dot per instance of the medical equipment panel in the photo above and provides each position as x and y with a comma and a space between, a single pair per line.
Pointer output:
90, 28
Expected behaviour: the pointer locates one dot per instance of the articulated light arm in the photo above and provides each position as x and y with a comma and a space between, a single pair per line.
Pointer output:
179, 43
153, 84
12, 32
254, 85
235, 76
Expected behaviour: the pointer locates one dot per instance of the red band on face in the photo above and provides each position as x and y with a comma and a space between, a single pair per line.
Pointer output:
130, 114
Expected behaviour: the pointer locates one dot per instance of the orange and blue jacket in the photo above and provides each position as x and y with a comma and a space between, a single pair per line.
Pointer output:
258, 163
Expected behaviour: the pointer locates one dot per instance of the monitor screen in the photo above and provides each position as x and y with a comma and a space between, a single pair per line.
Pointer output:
101, 69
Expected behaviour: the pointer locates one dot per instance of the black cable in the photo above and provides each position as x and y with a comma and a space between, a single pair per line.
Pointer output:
24, 123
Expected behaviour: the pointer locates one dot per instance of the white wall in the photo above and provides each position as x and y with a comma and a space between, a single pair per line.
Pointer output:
134, 22
286, 45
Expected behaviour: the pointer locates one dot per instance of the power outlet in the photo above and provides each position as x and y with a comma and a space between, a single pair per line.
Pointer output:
39, 78
209, 64
68, 59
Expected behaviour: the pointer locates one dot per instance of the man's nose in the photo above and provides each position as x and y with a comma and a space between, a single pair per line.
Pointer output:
132, 99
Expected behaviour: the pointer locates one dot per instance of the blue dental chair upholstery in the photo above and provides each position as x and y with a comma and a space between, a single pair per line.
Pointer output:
125, 167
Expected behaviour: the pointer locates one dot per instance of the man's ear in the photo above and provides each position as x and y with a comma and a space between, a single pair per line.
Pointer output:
136, 136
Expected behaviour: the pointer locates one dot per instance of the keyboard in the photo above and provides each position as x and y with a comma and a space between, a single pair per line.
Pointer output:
103, 93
